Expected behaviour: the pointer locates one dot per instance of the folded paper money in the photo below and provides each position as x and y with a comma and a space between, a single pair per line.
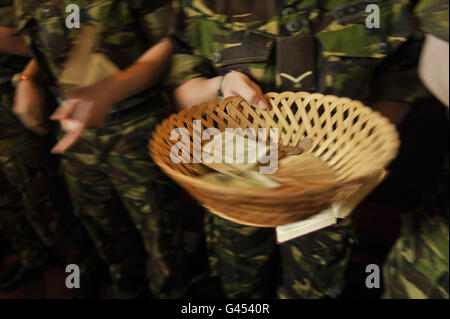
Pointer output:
233, 161
233, 154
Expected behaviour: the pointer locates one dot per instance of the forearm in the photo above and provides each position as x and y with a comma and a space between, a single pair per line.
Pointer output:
31, 70
10, 44
147, 71
196, 91
433, 67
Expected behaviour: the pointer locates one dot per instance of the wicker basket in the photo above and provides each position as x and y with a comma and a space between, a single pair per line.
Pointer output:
355, 141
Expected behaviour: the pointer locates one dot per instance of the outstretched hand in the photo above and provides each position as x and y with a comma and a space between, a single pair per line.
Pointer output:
87, 108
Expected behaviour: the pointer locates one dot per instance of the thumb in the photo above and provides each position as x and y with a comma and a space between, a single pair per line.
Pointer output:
252, 95
64, 111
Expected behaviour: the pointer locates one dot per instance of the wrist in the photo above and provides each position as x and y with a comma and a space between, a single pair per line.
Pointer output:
220, 94
121, 86
20, 77
223, 83
110, 90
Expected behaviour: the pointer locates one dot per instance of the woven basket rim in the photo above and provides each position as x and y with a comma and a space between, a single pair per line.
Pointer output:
278, 96
261, 192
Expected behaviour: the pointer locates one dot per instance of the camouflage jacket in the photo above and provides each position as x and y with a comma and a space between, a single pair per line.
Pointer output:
323, 46
9, 65
433, 17
126, 30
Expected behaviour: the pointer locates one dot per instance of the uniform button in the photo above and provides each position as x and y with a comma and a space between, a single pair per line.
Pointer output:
287, 11
293, 26
217, 57
383, 47
46, 13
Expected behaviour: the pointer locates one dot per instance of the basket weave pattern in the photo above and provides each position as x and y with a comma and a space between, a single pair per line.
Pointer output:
354, 140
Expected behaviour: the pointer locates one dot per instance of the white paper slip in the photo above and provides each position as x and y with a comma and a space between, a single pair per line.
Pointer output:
232, 154
318, 221
331, 215
230, 147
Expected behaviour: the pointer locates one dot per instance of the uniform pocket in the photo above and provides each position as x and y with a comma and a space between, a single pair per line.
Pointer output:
244, 11
355, 41
295, 62
349, 56
242, 51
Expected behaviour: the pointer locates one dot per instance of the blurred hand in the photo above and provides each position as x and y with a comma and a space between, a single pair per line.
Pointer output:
88, 108
29, 106
238, 84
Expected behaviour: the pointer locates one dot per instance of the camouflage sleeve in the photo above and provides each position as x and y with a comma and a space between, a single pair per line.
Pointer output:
432, 16
154, 17
402, 67
9, 64
6, 14
22, 12
23, 16
397, 77
186, 65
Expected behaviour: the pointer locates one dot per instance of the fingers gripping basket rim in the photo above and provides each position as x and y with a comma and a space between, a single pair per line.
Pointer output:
353, 139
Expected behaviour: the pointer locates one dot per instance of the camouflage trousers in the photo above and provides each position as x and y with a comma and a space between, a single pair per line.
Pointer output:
417, 265
246, 260
117, 189
14, 223
16, 228
242, 257
34, 211
314, 265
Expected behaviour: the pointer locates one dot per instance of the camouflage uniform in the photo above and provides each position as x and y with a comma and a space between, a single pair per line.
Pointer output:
417, 266
16, 227
13, 220
33, 214
113, 161
276, 43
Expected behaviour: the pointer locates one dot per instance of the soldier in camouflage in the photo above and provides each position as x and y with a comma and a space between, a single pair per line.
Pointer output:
111, 122
32, 215
13, 220
417, 266
249, 47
